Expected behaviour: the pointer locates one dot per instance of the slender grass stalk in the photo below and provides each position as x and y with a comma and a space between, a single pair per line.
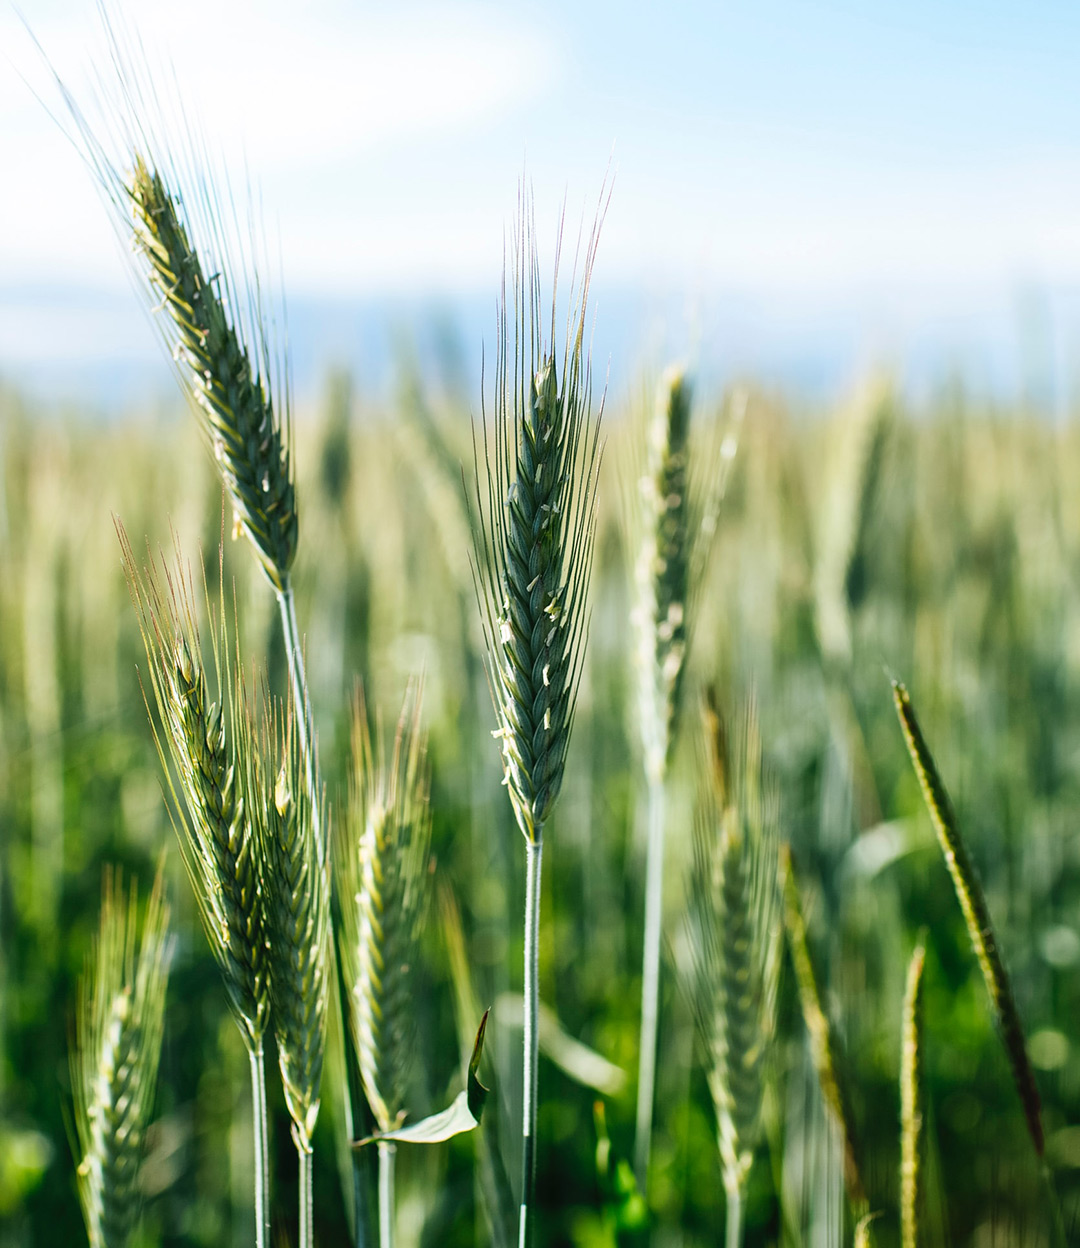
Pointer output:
976, 913
912, 1103
734, 927
650, 979
822, 1043
114, 1063
218, 841
972, 899
532, 559
381, 867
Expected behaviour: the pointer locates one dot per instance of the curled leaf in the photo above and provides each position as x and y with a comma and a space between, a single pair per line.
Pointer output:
463, 1114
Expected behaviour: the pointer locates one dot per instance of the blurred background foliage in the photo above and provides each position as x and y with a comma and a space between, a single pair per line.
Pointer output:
941, 547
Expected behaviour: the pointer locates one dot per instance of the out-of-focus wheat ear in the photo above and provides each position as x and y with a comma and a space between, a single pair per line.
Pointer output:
912, 1103
735, 930
381, 862
118, 1030
383, 884
972, 901
822, 1043
662, 570
204, 796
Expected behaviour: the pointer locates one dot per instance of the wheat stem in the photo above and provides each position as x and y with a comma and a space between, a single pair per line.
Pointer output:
650, 979
912, 1107
533, 856
306, 1230
262, 1152
976, 913
819, 1032
734, 1230
302, 707
387, 1153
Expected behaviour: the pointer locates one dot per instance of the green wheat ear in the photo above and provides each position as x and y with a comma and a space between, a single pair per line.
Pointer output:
197, 268
114, 1064
227, 377
381, 866
972, 901
216, 837
296, 903
735, 928
912, 1103
534, 541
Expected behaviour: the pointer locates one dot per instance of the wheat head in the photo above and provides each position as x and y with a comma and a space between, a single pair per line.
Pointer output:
118, 1031
382, 885
662, 570
296, 904
227, 378
534, 540
216, 838
734, 917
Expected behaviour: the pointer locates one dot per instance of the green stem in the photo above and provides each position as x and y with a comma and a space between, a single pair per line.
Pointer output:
733, 1238
650, 981
1057, 1236
302, 706
534, 852
306, 1233
387, 1153
262, 1151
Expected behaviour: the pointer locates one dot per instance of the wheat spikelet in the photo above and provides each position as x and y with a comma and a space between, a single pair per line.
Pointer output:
296, 905
972, 901
217, 839
912, 1107
118, 1030
733, 910
381, 865
533, 547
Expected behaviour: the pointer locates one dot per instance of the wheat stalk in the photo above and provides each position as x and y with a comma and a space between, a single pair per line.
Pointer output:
822, 1044
533, 556
217, 840
733, 912
381, 868
912, 1103
118, 1030
976, 913
297, 918
972, 899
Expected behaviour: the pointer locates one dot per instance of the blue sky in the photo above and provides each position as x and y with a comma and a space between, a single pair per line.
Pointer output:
909, 175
